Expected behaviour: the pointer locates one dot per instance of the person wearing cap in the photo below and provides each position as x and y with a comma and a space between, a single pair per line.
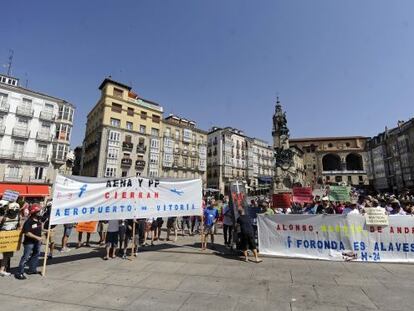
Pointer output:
32, 231
9, 220
325, 207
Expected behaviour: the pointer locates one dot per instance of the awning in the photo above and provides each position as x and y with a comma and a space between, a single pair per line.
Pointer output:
37, 191
26, 190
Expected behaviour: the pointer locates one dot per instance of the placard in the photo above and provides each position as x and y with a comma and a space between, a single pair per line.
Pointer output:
282, 200
10, 241
339, 193
10, 195
376, 216
87, 226
302, 194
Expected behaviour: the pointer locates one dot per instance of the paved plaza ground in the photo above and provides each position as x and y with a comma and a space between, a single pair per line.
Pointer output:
178, 276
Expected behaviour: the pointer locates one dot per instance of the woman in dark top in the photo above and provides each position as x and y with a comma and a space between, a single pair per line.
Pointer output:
247, 236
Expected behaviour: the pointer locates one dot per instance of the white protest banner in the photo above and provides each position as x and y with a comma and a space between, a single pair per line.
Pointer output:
79, 199
336, 237
376, 216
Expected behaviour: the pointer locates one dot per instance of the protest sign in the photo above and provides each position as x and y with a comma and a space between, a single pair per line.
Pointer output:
87, 226
10, 241
375, 216
339, 193
302, 194
282, 200
336, 237
79, 199
10, 195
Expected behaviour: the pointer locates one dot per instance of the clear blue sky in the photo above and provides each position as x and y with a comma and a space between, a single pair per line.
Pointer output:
340, 67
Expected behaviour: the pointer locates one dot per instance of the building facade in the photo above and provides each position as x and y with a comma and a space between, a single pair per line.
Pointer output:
263, 166
35, 132
391, 158
229, 158
123, 134
183, 149
334, 160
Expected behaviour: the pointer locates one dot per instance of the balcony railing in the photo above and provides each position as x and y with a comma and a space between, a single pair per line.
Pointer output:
24, 111
139, 164
13, 178
344, 172
2, 129
126, 162
141, 149
23, 156
4, 107
127, 146
22, 133
35, 180
46, 115
44, 136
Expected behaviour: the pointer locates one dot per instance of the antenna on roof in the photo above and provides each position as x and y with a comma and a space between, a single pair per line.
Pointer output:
26, 82
9, 64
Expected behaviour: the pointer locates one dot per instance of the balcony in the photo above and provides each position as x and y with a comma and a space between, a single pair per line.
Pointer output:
44, 136
24, 111
59, 157
23, 156
21, 133
4, 107
139, 165
141, 149
126, 162
2, 129
13, 178
127, 146
46, 116
35, 180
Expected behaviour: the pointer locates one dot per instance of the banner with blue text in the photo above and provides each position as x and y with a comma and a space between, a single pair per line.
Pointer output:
80, 199
337, 237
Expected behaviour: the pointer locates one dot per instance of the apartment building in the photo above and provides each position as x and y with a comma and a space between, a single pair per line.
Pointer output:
391, 158
184, 149
263, 165
229, 157
123, 134
35, 132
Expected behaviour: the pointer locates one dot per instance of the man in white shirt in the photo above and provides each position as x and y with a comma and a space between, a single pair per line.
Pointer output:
112, 238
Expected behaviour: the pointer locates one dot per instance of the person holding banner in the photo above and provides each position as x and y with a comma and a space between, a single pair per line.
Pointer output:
32, 230
112, 238
9, 221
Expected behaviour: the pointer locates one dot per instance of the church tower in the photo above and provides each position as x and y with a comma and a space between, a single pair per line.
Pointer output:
280, 130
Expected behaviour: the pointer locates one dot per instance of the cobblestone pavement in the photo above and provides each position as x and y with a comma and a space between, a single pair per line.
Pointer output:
179, 276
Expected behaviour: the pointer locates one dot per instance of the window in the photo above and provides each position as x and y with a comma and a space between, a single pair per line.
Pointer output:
185, 162
167, 132
14, 171
154, 158
349, 179
66, 113
49, 108
38, 173
330, 145
143, 115
124, 173
176, 158
42, 151
129, 126
193, 163
338, 178
115, 122
128, 138
143, 129
18, 148
155, 118
118, 92
116, 108
348, 144
360, 178
3, 99
155, 132
110, 172
115, 136
155, 143
113, 153
130, 111
177, 134
141, 141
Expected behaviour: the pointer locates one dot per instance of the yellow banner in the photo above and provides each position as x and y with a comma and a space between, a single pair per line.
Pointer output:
10, 241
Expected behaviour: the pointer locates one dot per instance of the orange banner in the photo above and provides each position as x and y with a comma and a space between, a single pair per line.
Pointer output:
88, 226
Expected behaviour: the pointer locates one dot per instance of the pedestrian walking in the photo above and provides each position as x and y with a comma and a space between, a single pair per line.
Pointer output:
210, 219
